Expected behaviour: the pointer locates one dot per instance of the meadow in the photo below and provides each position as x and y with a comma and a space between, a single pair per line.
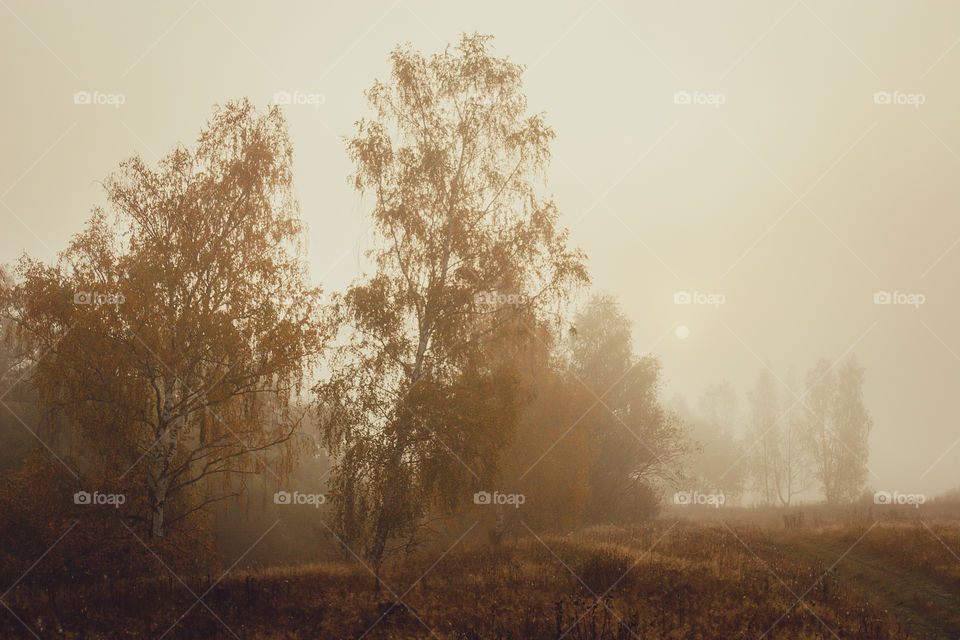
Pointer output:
798, 574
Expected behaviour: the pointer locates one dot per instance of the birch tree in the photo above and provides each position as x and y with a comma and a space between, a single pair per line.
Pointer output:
837, 429
423, 398
175, 336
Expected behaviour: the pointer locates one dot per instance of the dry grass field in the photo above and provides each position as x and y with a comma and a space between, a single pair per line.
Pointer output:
708, 578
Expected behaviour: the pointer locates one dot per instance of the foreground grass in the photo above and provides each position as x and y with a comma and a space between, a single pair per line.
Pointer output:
706, 580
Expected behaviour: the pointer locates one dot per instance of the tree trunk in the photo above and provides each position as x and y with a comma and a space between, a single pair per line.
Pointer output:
379, 544
159, 502
384, 524
168, 437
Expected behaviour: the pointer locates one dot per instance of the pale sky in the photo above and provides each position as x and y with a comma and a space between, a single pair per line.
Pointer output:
784, 186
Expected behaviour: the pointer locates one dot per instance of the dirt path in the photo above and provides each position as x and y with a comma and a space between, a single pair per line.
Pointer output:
924, 607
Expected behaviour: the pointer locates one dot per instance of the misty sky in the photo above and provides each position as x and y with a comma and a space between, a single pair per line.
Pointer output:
784, 186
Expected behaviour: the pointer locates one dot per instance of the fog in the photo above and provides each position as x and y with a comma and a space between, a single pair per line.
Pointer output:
785, 187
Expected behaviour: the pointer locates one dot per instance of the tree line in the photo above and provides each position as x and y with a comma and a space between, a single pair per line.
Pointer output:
176, 348
790, 441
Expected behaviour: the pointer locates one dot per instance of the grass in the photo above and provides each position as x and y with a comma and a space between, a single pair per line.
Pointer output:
706, 579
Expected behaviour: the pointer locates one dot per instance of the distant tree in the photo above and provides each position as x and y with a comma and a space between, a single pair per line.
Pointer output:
639, 443
837, 429
602, 346
720, 407
423, 396
175, 338
779, 460
299, 538
19, 413
765, 436
853, 424
552, 455
717, 463
792, 474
